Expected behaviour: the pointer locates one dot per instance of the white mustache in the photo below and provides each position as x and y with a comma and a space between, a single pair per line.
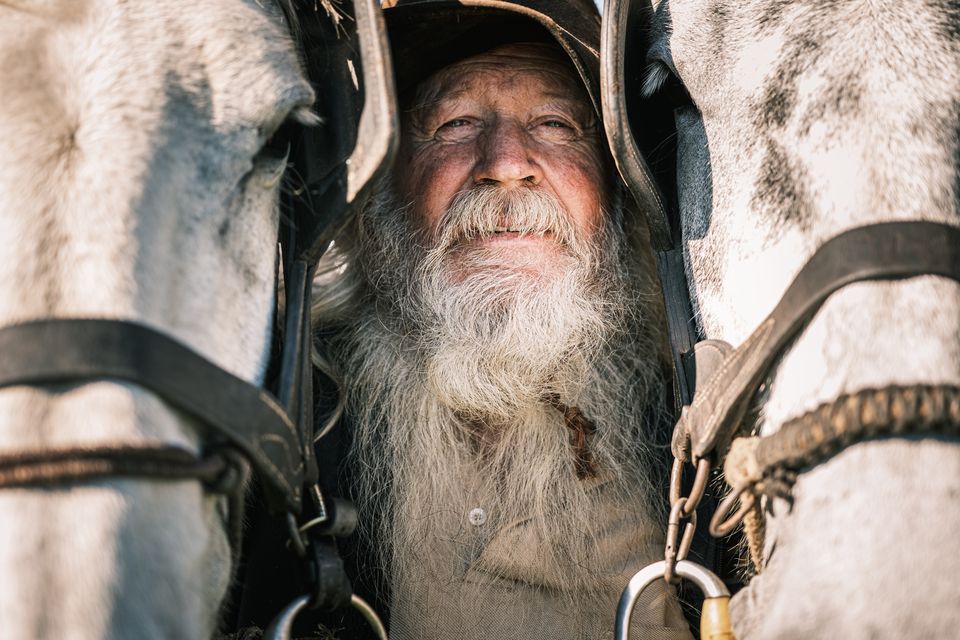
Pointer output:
488, 209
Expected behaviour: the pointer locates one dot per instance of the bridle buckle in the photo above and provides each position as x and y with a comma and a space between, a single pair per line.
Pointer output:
315, 542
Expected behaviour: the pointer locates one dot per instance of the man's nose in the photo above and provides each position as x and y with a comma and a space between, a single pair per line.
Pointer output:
506, 156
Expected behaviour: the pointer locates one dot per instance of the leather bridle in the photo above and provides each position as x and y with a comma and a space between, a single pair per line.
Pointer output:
242, 425
716, 383
236, 417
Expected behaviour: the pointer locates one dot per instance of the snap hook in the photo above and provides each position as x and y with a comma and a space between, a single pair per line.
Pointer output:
715, 614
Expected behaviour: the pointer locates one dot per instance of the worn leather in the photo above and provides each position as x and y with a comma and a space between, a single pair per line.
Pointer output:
887, 251
621, 45
79, 350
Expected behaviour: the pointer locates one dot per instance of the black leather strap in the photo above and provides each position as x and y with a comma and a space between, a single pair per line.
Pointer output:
680, 327
78, 350
887, 251
622, 17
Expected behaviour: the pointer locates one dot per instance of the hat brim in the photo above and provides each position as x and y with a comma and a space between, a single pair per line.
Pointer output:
427, 35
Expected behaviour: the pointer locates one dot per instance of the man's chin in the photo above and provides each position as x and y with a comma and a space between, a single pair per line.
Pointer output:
530, 256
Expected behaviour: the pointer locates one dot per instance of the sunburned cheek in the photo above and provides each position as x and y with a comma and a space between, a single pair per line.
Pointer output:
433, 179
578, 184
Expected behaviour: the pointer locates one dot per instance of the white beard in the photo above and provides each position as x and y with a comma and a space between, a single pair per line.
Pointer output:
447, 380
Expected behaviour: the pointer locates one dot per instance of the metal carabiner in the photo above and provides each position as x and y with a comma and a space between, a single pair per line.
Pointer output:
281, 627
714, 616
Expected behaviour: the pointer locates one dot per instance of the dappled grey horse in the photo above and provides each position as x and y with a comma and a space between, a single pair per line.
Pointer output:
802, 129
140, 218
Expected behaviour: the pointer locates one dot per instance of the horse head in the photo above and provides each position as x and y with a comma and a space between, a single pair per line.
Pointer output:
801, 129
140, 186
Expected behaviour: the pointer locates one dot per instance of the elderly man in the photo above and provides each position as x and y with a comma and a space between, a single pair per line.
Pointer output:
493, 318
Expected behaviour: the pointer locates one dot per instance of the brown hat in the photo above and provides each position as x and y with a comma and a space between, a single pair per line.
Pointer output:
427, 35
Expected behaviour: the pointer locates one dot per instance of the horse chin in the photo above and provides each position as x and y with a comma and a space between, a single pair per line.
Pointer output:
861, 518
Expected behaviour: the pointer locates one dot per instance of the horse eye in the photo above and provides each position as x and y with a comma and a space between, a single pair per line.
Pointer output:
675, 94
277, 146
661, 84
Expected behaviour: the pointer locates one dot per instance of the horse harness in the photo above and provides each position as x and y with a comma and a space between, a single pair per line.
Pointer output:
715, 384
245, 427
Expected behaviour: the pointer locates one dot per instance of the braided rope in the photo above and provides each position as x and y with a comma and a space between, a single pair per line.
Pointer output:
223, 471
852, 418
770, 464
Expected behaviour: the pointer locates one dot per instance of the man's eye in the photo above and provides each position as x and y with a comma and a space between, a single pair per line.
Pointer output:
455, 123
556, 129
457, 130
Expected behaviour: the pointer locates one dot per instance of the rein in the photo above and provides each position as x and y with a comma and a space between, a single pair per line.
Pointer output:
244, 425
769, 464
705, 432
724, 381
886, 251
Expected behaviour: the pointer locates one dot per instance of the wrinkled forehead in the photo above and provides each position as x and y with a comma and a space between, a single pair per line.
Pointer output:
517, 66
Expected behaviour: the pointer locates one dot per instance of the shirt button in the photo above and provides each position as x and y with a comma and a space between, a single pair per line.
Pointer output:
477, 517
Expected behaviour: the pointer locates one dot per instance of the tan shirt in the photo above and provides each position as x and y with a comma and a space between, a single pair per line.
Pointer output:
509, 593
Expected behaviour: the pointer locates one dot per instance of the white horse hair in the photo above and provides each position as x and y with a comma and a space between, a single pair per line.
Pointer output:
131, 187
810, 118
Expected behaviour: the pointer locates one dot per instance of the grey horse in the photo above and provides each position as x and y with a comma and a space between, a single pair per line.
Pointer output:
804, 120
134, 185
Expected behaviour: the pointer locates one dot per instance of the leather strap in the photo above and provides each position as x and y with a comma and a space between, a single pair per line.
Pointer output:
621, 17
682, 334
77, 350
53, 467
886, 251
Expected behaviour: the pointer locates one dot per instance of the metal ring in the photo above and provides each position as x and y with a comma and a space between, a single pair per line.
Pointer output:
281, 626
687, 540
676, 477
370, 615
674, 552
323, 514
720, 523
699, 486
706, 580
670, 550
296, 538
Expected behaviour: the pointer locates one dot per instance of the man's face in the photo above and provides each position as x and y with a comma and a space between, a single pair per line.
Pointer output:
517, 118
